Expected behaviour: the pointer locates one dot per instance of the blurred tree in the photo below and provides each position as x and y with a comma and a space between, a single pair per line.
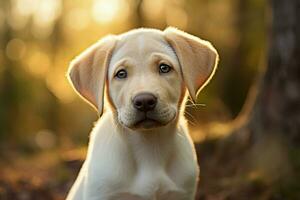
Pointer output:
263, 146
8, 87
277, 106
248, 53
139, 15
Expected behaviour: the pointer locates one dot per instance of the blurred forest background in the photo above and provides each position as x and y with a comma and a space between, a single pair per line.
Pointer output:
247, 135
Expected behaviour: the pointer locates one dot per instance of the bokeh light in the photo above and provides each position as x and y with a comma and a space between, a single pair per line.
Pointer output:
34, 64
45, 139
106, 11
78, 15
44, 16
15, 49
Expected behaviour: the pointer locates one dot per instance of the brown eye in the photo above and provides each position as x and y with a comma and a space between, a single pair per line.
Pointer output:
121, 74
164, 68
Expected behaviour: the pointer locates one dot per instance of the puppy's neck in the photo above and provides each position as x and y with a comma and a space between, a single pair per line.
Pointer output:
150, 148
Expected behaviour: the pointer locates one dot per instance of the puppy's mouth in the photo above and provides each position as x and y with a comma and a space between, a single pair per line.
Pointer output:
150, 121
147, 123
146, 120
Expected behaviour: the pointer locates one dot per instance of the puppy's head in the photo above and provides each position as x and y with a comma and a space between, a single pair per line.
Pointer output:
146, 72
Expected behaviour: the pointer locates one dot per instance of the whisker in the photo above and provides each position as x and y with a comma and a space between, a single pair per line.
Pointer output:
189, 100
193, 103
192, 118
196, 105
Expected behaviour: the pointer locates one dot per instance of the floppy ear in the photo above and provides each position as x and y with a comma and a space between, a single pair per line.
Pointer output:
87, 72
198, 59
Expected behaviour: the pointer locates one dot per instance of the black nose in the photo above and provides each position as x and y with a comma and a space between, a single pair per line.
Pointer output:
144, 102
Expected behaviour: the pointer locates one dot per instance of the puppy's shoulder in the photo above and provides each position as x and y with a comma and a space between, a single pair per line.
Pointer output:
105, 136
183, 137
183, 125
104, 125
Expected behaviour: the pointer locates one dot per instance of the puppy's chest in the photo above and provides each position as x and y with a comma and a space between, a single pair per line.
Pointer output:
155, 176
144, 170
149, 184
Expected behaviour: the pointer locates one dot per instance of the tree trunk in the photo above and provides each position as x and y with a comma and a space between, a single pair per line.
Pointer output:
277, 106
263, 141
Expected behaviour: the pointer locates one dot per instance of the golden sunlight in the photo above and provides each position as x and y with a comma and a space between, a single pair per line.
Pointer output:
59, 86
153, 9
80, 16
176, 16
105, 11
38, 63
44, 17
43, 12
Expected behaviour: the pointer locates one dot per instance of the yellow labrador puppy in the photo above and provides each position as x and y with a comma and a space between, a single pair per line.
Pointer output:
140, 149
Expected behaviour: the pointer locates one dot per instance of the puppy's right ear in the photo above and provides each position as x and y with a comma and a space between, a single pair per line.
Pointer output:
87, 72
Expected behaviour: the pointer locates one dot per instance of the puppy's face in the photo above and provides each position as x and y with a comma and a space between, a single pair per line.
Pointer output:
144, 81
142, 73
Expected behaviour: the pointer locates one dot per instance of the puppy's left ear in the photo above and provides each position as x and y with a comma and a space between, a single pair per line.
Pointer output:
87, 72
198, 59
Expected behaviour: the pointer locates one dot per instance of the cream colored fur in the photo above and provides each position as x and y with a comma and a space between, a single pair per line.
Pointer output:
155, 161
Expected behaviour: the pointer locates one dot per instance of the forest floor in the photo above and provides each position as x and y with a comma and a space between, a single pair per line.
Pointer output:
49, 175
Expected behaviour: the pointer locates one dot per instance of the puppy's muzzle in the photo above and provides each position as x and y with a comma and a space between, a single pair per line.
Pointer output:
144, 102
